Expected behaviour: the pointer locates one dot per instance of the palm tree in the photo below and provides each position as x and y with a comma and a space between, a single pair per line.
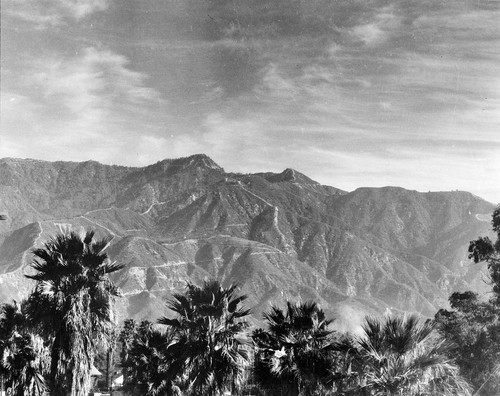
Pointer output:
126, 337
26, 365
209, 337
10, 319
71, 304
22, 353
146, 363
402, 356
296, 351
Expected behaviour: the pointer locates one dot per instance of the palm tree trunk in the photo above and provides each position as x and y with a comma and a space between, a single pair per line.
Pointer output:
56, 386
108, 368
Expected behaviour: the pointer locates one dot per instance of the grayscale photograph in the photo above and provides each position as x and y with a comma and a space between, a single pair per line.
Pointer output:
250, 197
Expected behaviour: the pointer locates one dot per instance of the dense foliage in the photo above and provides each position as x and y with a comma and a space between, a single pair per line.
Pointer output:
146, 360
295, 353
203, 350
402, 356
23, 356
473, 324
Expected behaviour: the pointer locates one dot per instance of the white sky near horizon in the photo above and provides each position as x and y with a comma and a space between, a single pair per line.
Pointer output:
350, 92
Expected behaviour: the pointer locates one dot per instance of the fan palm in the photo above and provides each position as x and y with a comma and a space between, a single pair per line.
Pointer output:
126, 337
402, 356
10, 319
209, 337
22, 354
296, 350
71, 304
146, 363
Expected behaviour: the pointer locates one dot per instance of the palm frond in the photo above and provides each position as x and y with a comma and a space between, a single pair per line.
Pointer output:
72, 302
208, 332
113, 267
400, 354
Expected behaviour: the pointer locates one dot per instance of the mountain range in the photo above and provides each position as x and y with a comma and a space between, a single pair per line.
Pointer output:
278, 235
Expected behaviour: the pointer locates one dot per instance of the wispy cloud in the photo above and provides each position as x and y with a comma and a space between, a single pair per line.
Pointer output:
47, 13
351, 92
97, 80
379, 27
84, 101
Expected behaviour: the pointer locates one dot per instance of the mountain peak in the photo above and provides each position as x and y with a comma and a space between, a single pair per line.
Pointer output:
193, 161
290, 175
202, 161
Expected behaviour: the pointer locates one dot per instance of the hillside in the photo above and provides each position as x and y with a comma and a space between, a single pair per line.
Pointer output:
278, 235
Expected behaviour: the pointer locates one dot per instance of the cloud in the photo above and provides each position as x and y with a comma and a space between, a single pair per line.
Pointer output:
379, 28
421, 166
19, 124
79, 9
49, 13
351, 92
274, 86
369, 33
255, 19
235, 66
346, 158
97, 80
220, 135
76, 106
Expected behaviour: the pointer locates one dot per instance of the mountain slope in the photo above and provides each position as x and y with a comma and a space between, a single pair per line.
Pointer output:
278, 235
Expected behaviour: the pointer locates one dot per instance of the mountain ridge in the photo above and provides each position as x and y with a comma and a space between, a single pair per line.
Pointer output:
279, 235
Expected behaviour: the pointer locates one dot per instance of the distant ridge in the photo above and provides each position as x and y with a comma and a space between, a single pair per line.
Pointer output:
279, 235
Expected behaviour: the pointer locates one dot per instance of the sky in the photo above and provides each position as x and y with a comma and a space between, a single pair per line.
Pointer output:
351, 93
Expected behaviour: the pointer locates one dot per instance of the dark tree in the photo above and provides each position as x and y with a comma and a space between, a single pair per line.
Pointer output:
210, 349
125, 338
295, 353
473, 324
72, 305
485, 250
147, 364
23, 356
